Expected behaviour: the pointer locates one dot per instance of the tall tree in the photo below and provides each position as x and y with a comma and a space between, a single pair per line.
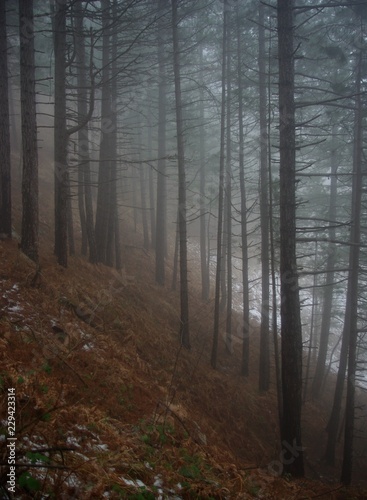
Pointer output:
161, 213
349, 339
184, 330
104, 170
329, 279
291, 332
214, 353
264, 371
5, 165
84, 173
29, 238
244, 244
60, 134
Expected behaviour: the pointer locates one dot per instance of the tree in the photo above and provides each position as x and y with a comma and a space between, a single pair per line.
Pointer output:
349, 338
60, 134
29, 237
291, 332
184, 330
5, 165
84, 174
161, 213
264, 368
214, 353
244, 243
329, 280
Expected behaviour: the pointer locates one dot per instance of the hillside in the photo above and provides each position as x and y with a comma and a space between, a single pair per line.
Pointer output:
109, 406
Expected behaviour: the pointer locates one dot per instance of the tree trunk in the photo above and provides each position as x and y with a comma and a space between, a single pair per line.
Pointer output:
161, 225
329, 280
29, 238
264, 363
84, 176
290, 306
349, 341
214, 353
104, 174
5, 163
205, 285
60, 136
228, 195
184, 330
245, 285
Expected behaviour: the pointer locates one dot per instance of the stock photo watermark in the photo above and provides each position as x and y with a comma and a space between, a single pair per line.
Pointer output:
11, 440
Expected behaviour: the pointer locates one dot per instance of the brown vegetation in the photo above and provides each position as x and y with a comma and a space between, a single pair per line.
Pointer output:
106, 397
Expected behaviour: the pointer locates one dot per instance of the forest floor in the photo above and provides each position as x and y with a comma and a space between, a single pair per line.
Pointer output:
109, 406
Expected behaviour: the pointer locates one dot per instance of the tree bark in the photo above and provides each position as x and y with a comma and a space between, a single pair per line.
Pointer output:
214, 353
290, 307
5, 163
161, 225
184, 295
264, 364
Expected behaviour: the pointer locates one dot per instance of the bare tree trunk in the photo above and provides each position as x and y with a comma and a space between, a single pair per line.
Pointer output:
205, 284
5, 163
349, 340
161, 225
214, 354
29, 238
60, 136
184, 295
84, 176
329, 280
264, 364
104, 173
290, 306
228, 194
245, 284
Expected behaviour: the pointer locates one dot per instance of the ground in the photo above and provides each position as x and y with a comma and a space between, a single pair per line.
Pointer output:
108, 405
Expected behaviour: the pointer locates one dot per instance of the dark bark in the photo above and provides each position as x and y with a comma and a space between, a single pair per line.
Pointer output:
5, 164
355, 238
214, 353
244, 250
184, 295
103, 218
264, 364
329, 279
60, 136
203, 250
228, 197
84, 176
161, 225
29, 237
290, 307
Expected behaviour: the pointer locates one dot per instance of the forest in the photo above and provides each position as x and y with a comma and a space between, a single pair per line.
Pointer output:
183, 228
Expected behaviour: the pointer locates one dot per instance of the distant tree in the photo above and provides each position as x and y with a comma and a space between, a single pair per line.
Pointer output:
291, 332
5, 165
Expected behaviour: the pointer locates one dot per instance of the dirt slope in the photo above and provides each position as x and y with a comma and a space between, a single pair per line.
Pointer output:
108, 405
